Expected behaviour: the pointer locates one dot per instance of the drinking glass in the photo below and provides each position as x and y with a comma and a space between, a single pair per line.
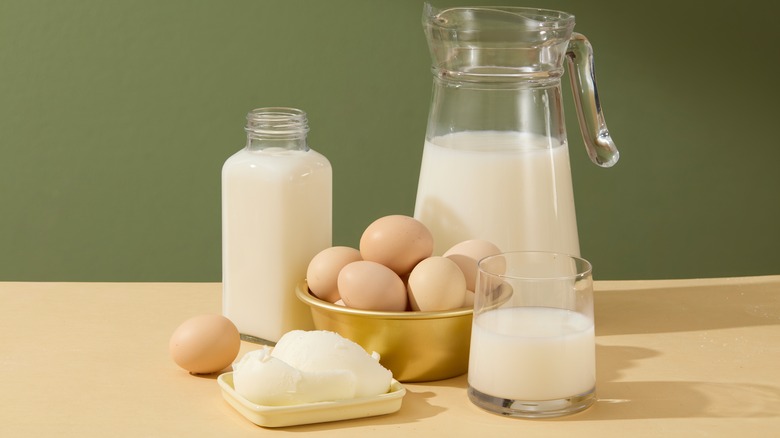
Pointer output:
532, 348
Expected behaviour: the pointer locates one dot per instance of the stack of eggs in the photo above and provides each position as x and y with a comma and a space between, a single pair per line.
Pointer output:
395, 270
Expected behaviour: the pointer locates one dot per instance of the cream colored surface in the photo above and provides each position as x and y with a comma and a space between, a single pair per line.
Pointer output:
675, 358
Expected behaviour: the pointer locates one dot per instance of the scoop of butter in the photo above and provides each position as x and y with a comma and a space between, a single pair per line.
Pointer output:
307, 367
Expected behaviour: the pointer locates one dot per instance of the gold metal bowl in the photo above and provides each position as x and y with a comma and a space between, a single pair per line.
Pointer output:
415, 346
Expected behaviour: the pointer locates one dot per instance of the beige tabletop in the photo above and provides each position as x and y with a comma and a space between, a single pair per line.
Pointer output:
675, 358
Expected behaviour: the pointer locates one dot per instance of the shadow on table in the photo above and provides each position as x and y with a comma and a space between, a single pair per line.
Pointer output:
620, 400
637, 400
686, 308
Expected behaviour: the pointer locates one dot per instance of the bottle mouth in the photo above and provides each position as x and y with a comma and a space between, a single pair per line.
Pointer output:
277, 122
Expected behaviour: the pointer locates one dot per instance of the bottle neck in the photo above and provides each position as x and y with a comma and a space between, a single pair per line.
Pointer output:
277, 128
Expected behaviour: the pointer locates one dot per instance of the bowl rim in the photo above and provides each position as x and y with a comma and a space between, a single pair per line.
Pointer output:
303, 294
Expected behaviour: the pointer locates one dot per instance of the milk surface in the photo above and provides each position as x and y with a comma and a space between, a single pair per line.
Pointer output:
532, 353
513, 189
276, 216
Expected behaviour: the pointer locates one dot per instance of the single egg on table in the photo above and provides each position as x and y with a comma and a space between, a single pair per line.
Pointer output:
205, 344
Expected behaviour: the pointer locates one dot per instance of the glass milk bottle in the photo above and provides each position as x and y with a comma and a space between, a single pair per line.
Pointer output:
495, 161
276, 216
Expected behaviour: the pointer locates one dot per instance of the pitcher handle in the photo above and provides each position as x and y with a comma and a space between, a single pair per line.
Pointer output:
579, 56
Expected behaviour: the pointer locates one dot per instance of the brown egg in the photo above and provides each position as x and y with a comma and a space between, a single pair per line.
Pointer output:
323, 271
205, 344
436, 283
369, 285
397, 241
467, 254
469, 299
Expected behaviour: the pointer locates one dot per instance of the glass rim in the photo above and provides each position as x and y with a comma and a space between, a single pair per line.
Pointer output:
584, 267
546, 19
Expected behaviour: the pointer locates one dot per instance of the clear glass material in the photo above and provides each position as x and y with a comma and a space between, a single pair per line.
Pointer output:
532, 351
277, 127
495, 162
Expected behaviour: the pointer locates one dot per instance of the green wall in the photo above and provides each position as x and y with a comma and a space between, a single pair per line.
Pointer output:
116, 116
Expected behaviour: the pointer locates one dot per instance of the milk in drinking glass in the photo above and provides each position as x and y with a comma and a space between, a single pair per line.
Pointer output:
532, 350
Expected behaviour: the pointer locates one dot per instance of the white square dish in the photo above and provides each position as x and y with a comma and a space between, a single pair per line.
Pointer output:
308, 413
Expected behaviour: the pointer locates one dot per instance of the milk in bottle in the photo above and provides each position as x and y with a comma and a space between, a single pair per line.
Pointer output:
276, 216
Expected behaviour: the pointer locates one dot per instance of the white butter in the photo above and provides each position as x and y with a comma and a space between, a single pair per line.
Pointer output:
307, 367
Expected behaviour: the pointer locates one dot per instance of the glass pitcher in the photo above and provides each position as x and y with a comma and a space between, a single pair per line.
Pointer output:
495, 163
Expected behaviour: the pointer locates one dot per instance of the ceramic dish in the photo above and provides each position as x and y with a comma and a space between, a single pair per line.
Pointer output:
308, 413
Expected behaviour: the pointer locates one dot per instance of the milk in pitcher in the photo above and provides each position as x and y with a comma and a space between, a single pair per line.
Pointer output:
511, 188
